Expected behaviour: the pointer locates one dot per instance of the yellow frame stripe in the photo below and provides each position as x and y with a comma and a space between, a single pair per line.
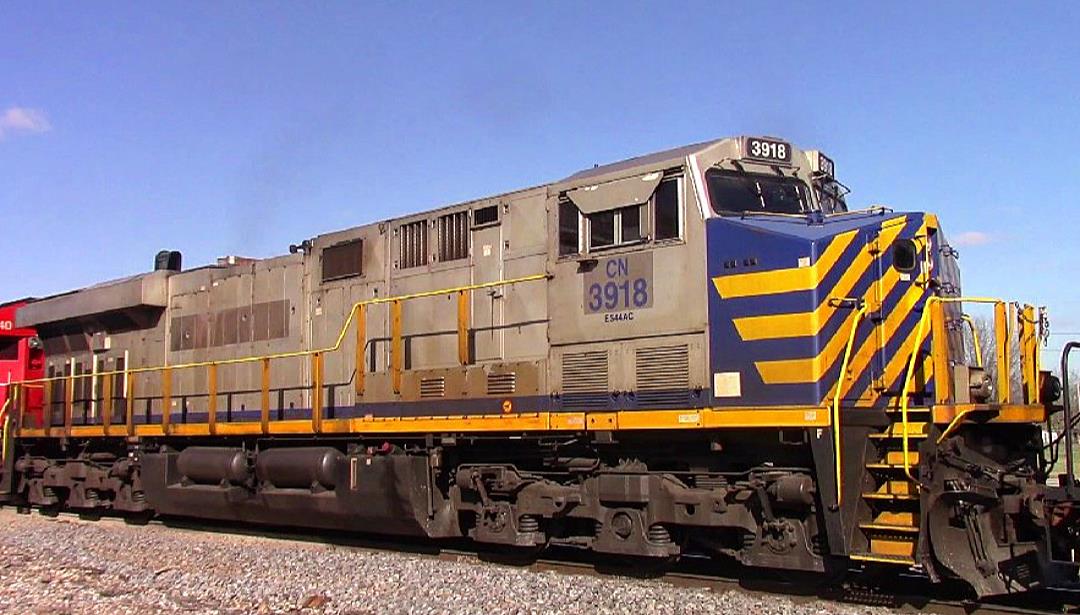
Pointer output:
707, 418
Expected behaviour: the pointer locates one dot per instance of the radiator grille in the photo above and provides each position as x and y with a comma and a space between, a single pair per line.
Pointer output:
663, 375
432, 387
502, 384
585, 379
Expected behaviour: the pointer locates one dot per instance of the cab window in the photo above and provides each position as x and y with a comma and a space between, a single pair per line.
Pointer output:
732, 192
9, 349
659, 219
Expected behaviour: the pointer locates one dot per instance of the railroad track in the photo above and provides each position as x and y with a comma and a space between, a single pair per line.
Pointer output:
691, 572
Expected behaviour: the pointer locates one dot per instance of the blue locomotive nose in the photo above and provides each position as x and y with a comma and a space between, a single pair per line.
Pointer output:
784, 296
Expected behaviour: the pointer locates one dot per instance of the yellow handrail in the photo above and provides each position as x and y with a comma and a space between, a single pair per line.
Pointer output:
836, 402
3, 429
297, 353
975, 339
909, 378
316, 354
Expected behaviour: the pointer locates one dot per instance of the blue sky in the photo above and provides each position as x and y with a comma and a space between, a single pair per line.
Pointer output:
239, 128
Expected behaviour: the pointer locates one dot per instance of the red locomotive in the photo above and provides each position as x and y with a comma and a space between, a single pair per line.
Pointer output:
22, 357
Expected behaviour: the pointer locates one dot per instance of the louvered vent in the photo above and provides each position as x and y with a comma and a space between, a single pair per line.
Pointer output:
663, 376
502, 384
432, 387
585, 380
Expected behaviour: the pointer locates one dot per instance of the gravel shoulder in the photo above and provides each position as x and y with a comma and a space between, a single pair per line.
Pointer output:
64, 565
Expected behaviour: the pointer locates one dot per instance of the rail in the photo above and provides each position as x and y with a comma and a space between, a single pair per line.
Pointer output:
1067, 428
859, 315
3, 433
1003, 312
357, 315
974, 339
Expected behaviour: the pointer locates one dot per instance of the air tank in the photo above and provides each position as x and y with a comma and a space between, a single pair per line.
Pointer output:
299, 468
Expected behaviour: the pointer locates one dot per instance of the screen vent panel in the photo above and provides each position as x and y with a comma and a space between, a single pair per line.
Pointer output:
663, 375
431, 388
585, 380
502, 384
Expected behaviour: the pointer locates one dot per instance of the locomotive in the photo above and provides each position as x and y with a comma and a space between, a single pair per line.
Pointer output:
697, 351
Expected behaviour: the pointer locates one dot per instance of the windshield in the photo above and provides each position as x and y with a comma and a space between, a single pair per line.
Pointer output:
830, 195
742, 192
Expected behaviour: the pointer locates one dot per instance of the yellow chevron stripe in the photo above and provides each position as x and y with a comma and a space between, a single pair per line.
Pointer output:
892, 322
784, 280
811, 369
888, 328
802, 324
897, 364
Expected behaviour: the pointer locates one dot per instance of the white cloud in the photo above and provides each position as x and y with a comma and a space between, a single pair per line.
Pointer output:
971, 238
23, 120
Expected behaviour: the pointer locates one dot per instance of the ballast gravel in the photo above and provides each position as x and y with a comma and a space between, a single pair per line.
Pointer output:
65, 565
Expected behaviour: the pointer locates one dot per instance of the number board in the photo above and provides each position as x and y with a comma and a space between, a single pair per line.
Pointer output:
825, 165
767, 149
618, 285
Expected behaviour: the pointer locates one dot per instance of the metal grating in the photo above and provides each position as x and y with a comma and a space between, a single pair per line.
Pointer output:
502, 384
431, 388
412, 244
585, 380
343, 260
663, 375
453, 236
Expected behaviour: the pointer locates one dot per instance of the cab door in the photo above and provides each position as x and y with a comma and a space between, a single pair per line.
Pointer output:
487, 305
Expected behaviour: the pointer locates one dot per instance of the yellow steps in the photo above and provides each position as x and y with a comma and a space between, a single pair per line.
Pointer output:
895, 431
896, 458
883, 559
893, 490
884, 528
896, 518
893, 547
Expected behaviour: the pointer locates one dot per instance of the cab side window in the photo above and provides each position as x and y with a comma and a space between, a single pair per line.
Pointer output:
569, 228
660, 218
667, 224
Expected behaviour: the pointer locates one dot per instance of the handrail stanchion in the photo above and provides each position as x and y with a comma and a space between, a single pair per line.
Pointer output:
264, 397
316, 392
166, 400
1001, 345
24, 405
361, 345
397, 351
463, 327
106, 402
836, 404
46, 405
942, 375
129, 397
1029, 353
211, 399
4, 426
69, 399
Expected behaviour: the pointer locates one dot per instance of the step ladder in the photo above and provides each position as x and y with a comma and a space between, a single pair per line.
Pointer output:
892, 533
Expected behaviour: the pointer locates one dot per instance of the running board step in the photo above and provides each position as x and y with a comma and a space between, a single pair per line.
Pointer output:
893, 547
903, 518
895, 490
884, 528
896, 431
897, 458
882, 559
